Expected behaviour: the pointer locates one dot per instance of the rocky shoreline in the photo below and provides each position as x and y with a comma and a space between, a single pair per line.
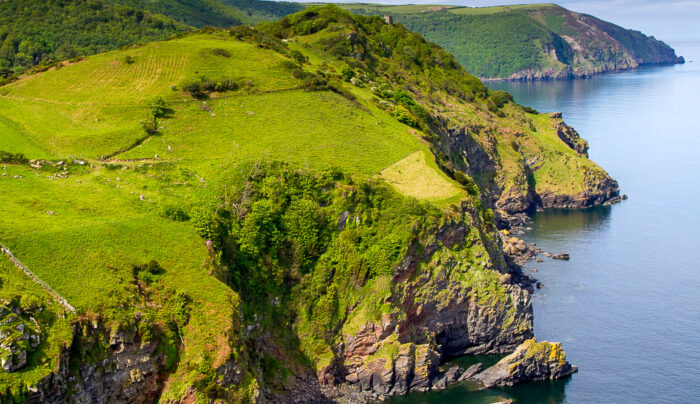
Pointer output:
572, 74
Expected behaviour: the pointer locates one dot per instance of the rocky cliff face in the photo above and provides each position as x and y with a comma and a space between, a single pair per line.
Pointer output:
126, 370
445, 310
522, 180
591, 46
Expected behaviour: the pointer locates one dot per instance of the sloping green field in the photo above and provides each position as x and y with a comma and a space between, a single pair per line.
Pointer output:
82, 228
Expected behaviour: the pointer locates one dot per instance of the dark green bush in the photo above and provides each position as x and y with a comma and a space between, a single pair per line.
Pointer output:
150, 125
500, 98
147, 272
347, 73
289, 65
206, 224
158, 108
298, 57
403, 115
13, 158
221, 52
175, 213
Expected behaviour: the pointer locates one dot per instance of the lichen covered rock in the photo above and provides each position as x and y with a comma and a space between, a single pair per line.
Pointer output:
532, 361
19, 335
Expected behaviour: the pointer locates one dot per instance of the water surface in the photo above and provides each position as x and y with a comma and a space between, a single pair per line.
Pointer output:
627, 304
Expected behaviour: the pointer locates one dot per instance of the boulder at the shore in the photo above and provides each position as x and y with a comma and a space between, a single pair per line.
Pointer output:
531, 361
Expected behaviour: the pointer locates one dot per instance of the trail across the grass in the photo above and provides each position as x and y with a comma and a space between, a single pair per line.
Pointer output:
36, 279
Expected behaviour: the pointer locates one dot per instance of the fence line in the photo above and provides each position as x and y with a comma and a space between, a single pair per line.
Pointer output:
36, 279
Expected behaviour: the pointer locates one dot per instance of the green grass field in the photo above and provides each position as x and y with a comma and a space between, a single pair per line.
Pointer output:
81, 234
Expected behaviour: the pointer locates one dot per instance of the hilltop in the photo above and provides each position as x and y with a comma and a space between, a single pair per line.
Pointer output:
307, 209
41, 33
528, 42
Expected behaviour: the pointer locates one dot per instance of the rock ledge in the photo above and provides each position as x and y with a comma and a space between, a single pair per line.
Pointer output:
531, 361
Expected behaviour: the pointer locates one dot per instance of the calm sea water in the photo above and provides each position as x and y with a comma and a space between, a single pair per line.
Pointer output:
627, 305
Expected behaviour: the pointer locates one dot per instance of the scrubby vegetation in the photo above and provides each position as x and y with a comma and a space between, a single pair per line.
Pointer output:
32, 33
42, 33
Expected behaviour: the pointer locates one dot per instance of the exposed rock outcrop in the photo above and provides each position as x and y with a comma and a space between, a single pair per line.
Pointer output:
128, 372
440, 317
19, 335
569, 136
510, 186
530, 362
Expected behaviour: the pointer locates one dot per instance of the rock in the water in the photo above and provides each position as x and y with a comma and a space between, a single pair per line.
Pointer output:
452, 374
539, 260
613, 201
563, 256
531, 361
471, 371
548, 254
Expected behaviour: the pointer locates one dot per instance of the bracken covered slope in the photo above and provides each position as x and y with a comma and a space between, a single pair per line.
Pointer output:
300, 210
528, 42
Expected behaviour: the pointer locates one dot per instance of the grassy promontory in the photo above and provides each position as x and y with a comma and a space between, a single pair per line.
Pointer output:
251, 210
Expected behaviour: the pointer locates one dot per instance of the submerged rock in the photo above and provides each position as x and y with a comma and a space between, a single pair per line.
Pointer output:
531, 361
471, 372
562, 256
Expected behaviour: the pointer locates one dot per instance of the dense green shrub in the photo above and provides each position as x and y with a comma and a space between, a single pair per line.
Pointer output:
150, 125
147, 272
298, 57
157, 107
206, 224
252, 35
403, 115
347, 73
13, 158
530, 110
221, 52
202, 87
500, 98
175, 213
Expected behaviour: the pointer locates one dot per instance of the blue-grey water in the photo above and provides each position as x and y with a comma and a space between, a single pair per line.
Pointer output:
627, 304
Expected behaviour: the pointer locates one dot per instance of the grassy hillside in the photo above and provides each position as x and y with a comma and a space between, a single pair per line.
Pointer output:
245, 197
81, 228
528, 41
39, 33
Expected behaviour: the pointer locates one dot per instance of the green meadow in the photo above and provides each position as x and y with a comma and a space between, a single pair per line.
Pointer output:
82, 227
